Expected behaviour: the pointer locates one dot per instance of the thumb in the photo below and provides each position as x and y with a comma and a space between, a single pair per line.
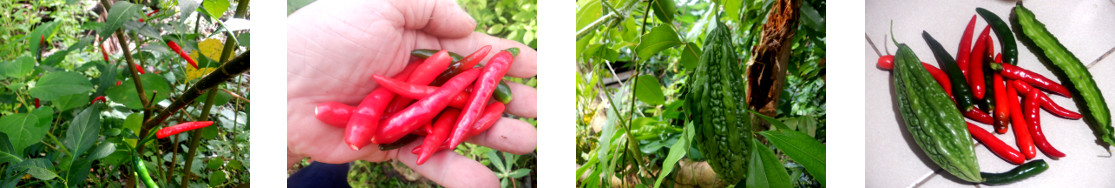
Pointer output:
440, 18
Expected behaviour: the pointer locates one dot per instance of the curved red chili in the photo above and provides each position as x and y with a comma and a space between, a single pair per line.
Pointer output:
333, 113
421, 112
364, 122
1033, 116
979, 116
975, 63
398, 103
139, 69
36, 102
1047, 103
98, 98
177, 49
423, 75
491, 73
965, 46
413, 91
183, 127
492, 114
887, 62
1021, 129
1018, 73
996, 146
439, 132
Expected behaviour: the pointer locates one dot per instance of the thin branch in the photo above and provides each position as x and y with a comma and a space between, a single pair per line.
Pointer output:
234, 67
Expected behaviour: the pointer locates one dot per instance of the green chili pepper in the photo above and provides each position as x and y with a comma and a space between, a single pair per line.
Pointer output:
503, 92
960, 89
1006, 38
1018, 173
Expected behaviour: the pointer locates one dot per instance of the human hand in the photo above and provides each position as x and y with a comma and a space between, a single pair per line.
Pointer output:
334, 47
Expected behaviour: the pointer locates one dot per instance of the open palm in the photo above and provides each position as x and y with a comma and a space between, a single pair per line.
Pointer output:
334, 48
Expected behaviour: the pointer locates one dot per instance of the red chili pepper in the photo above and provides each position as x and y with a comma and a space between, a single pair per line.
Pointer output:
139, 69
183, 127
493, 71
364, 122
413, 91
103, 52
965, 46
36, 102
996, 146
177, 49
1002, 108
1033, 116
98, 98
1046, 102
424, 110
118, 83
439, 131
975, 63
492, 114
979, 116
464, 64
1021, 131
333, 113
438, 63
398, 103
887, 62
1018, 73
149, 14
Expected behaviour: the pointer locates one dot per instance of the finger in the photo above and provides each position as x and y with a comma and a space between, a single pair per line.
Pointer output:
449, 169
441, 18
509, 135
308, 137
524, 100
525, 64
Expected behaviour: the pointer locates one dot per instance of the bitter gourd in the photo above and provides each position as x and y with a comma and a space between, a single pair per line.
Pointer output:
935, 124
717, 106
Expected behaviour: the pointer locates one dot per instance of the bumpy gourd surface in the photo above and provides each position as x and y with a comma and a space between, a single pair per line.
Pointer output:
1085, 87
931, 118
718, 107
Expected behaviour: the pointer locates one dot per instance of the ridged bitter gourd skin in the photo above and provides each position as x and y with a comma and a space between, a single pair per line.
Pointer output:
932, 119
718, 108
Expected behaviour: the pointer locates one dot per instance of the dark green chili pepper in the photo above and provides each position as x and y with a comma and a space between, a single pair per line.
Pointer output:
988, 102
1018, 173
426, 53
960, 89
503, 92
1006, 38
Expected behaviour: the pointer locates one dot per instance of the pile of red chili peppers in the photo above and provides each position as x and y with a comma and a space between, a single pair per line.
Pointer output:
447, 111
1001, 97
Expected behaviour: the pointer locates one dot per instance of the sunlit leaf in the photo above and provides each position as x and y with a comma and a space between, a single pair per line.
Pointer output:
649, 91
764, 168
659, 38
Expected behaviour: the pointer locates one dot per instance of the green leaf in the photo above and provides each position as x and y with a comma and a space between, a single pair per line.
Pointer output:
71, 101
23, 130
107, 78
217, 178
664, 10
40, 168
765, 170
496, 161
216, 8
102, 151
589, 12
294, 5
649, 91
121, 11
20, 67
680, 148
83, 130
186, 8
57, 84
690, 56
659, 38
133, 122
235, 165
520, 173
802, 148
812, 18
214, 164
78, 172
209, 132
495, 29
772, 121
36, 36
731, 9
126, 93
7, 152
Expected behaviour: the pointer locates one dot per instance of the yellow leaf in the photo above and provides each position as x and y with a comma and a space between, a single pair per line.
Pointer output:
192, 73
211, 48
